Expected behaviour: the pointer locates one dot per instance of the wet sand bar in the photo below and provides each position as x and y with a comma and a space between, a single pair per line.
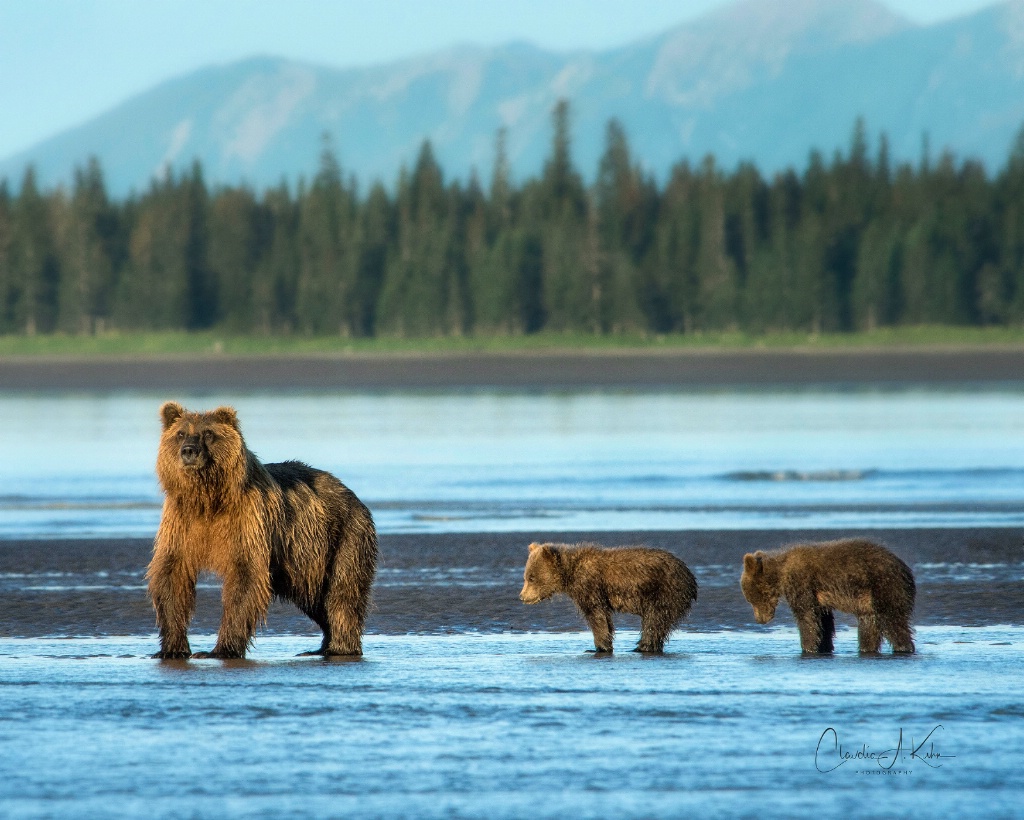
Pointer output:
464, 583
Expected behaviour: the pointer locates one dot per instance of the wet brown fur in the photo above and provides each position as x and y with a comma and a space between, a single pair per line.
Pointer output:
852, 575
651, 583
284, 530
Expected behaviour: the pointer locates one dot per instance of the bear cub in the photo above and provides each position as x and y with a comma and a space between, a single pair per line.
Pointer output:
651, 583
268, 530
852, 575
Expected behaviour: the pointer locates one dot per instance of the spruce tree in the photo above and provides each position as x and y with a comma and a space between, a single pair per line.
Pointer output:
624, 222
571, 289
9, 288
275, 278
672, 260
328, 253
240, 235
422, 291
378, 237
36, 273
714, 268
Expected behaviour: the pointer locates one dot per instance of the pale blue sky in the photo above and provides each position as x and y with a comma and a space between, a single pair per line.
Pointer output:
62, 62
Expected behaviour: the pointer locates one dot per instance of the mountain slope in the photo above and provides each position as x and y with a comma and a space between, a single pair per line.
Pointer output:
767, 80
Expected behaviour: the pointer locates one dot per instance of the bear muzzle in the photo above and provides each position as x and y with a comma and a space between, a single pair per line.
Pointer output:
528, 597
191, 452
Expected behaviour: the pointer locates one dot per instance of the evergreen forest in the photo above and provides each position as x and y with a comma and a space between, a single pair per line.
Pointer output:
850, 242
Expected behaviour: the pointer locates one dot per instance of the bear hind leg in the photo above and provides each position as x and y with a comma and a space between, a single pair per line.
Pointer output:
654, 633
342, 625
321, 621
869, 634
827, 628
344, 633
346, 598
900, 636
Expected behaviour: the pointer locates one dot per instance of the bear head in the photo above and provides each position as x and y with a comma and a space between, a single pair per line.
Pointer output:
759, 590
195, 445
542, 577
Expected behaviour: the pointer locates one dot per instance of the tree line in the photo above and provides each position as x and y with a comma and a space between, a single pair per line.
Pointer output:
850, 242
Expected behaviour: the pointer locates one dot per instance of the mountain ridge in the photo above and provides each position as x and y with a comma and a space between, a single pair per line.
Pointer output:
754, 80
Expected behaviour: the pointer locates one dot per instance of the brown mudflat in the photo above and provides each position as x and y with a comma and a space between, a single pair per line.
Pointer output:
435, 584
522, 370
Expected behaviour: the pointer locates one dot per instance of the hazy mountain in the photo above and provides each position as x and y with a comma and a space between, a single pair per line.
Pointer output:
766, 80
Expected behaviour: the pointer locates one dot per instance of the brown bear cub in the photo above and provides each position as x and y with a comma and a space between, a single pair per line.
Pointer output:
651, 583
284, 530
852, 575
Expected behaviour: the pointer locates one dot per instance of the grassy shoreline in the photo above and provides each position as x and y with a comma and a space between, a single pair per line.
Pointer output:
211, 343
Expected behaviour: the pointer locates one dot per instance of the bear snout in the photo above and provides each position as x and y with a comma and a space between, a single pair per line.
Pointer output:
189, 452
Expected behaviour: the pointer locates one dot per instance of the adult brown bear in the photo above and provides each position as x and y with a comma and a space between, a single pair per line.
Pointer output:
285, 530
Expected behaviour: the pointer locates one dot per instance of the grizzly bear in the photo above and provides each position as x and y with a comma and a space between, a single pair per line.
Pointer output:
852, 575
284, 530
651, 583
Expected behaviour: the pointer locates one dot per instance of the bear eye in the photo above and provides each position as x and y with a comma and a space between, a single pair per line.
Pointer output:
181, 434
208, 436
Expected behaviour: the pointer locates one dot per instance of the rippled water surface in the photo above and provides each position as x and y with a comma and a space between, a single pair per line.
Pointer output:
488, 462
726, 724
468, 704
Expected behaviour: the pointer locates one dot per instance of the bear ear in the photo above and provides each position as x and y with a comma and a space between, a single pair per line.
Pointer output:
534, 547
170, 412
551, 553
225, 415
752, 563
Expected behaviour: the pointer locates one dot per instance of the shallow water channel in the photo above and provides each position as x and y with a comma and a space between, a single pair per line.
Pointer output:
725, 724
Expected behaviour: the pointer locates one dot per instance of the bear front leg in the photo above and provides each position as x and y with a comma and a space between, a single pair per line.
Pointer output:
246, 598
172, 588
811, 622
599, 619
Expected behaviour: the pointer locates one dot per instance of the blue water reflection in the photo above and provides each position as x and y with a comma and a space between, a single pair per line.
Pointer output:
82, 465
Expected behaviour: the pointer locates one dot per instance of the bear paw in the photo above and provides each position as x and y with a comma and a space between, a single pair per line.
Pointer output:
172, 655
217, 654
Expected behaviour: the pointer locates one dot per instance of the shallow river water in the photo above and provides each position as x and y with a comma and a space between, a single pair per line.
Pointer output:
528, 725
486, 461
468, 704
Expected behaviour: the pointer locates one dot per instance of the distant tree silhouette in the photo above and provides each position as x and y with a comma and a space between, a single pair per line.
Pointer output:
855, 242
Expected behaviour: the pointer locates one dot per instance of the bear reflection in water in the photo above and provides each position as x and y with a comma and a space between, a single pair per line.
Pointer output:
651, 583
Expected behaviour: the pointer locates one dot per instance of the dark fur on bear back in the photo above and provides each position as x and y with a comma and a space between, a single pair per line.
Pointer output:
629, 578
842, 566
346, 518
284, 529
